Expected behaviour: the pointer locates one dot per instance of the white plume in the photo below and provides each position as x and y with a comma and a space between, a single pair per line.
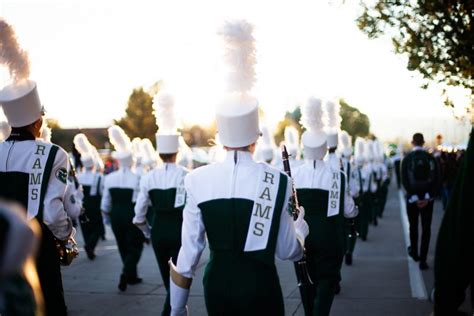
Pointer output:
267, 140
46, 133
11, 54
291, 136
345, 139
82, 145
136, 147
334, 118
165, 114
119, 139
359, 147
240, 55
149, 153
5, 130
312, 115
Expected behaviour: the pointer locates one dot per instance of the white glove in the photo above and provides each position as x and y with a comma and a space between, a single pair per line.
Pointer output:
106, 218
301, 227
178, 296
145, 229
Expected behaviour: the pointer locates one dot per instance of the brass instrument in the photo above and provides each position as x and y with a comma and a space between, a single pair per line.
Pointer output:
67, 250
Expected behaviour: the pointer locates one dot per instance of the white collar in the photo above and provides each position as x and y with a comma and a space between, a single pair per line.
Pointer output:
232, 156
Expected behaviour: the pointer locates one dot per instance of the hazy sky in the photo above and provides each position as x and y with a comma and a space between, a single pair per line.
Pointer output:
88, 55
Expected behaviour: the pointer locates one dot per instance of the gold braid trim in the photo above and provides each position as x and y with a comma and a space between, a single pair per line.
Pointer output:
178, 279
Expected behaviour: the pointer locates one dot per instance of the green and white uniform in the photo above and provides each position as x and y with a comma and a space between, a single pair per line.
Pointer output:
163, 189
93, 185
34, 174
241, 206
322, 191
118, 201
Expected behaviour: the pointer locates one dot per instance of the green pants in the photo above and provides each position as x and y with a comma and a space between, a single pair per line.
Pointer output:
92, 230
163, 254
129, 241
365, 214
324, 268
351, 234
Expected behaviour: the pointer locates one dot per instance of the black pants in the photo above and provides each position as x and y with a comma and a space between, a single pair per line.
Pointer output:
398, 172
426, 214
49, 274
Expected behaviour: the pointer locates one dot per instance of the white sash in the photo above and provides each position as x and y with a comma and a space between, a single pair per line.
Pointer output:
180, 197
263, 209
334, 194
36, 165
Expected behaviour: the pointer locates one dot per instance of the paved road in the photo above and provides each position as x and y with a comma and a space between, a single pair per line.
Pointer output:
377, 284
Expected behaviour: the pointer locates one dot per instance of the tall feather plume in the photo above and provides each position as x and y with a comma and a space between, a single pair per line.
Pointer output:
359, 147
334, 118
266, 136
11, 54
149, 153
345, 139
119, 139
136, 147
46, 133
240, 55
291, 136
165, 114
312, 115
82, 145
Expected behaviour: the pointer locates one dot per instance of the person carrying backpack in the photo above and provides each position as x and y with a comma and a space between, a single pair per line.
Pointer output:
420, 178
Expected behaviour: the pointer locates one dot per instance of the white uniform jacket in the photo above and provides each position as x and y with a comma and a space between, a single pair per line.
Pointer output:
123, 178
235, 177
29, 157
166, 176
318, 174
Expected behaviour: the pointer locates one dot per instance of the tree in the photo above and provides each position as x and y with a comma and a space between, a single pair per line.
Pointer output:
139, 120
354, 122
437, 36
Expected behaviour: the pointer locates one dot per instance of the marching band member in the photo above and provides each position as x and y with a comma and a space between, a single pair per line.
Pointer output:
240, 205
33, 172
92, 183
322, 190
118, 201
163, 189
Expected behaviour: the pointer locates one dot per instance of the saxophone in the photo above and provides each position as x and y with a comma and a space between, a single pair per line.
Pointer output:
67, 250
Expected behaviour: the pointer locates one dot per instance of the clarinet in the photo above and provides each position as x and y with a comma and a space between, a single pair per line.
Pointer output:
302, 275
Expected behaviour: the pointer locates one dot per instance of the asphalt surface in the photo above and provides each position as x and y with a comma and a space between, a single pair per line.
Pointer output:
378, 283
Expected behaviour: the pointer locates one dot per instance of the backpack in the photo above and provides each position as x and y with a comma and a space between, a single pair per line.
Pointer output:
421, 172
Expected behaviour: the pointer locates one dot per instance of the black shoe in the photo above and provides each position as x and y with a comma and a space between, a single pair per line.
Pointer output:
90, 253
348, 259
364, 238
375, 221
337, 289
123, 283
103, 238
134, 280
423, 265
413, 254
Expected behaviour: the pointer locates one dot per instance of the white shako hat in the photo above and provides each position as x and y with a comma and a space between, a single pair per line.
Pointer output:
237, 114
19, 99
292, 140
359, 148
346, 146
167, 137
83, 146
122, 144
5, 130
334, 122
314, 138
378, 150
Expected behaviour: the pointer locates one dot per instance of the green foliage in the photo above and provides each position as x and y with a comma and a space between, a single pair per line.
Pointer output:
354, 122
139, 120
436, 35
